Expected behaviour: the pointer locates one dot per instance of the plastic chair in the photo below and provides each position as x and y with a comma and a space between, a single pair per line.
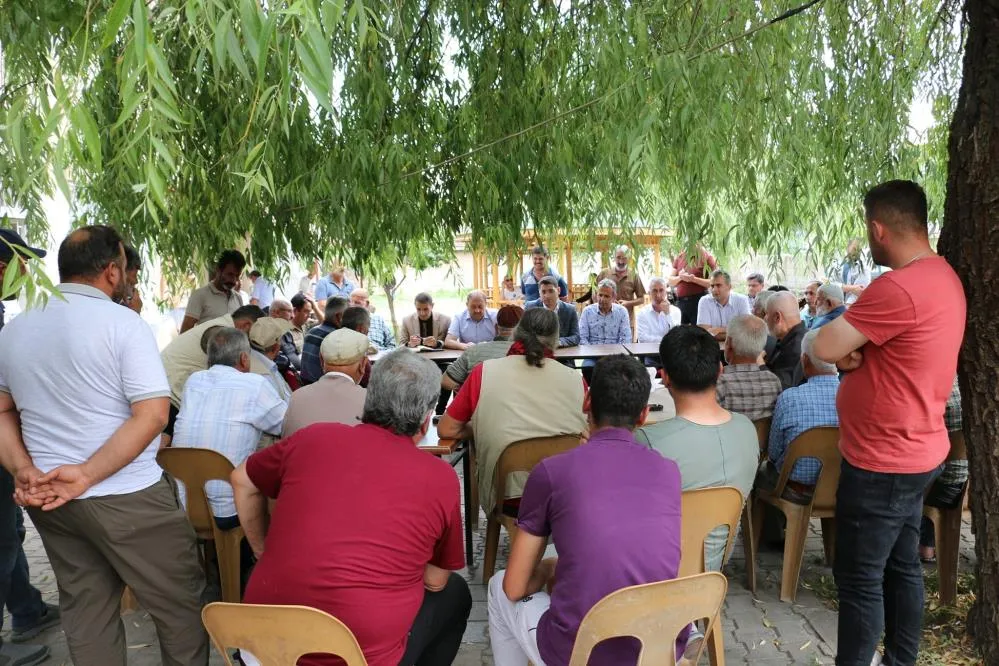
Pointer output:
821, 443
655, 614
279, 635
702, 511
748, 534
194, 468
947, 528
520, 456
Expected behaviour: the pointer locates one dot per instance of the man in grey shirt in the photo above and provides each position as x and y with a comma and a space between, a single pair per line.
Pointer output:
455, 375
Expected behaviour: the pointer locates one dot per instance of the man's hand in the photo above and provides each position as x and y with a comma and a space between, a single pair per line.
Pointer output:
66, 483
414, 341
28, 491
851, 361
429, 341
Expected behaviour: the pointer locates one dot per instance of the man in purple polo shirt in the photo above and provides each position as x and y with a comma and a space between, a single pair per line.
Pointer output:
612, 508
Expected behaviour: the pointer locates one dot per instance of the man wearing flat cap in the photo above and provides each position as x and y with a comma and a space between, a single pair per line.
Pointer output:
336, 397
11, 243
265, 345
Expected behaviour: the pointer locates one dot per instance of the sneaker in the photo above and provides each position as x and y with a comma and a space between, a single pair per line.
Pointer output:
49, 618
23, 655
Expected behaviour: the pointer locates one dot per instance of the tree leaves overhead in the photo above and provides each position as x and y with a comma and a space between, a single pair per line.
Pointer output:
308, 126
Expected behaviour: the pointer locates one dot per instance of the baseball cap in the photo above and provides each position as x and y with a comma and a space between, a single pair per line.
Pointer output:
10, 237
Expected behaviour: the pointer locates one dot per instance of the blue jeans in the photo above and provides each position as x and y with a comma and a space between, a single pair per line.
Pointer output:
877, 569
16, 592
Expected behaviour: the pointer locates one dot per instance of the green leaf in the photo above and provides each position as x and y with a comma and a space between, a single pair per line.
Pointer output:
116, 16
10, 275
236, 53
164, 152
85, 122
220, 46
140, 26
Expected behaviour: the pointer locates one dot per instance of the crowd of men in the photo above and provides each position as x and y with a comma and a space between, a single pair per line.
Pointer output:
304, 415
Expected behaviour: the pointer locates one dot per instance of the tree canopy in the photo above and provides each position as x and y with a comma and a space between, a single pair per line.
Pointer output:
345, 127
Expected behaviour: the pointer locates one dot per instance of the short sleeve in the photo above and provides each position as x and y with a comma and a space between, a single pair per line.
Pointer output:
535, 503
458, 369
710, 260
449, 552
639, 287
563, 287
195, 304
258, 290
883, 311
142, 373
265, 468
454, 328
464, 404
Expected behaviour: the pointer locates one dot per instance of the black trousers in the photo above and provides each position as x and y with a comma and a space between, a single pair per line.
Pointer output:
439, 625
688, 308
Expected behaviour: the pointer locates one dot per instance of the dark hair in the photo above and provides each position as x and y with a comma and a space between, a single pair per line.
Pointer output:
256, 273
539, 249
87, 251
897, 203
231, 258
690, 357
334, 306
133, 262
619, 391
722, 274
537, 331
756, 277
424, 298
549, 280
355, 317
298, 301
777, 287
251, 312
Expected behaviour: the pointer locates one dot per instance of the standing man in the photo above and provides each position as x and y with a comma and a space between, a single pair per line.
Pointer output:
379, 331
630, 290
425, 327
784, 323
714, 314
476, 324
754, 285
79, 430
810, 311
530, 280
334, 284
655, 321
690, 279
263, 291
133, 264
568, 320
898, 345
220, 296
854, 274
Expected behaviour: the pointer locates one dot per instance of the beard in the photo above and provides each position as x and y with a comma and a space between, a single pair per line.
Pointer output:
121, 290
822, 312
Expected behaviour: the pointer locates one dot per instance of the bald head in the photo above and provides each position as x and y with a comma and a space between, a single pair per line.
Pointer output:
281, 309
782, 313
476, 304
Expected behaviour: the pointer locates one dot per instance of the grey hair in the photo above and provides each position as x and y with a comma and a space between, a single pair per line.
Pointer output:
748, 335
656, 280
281, 304
607, 282
807, 349
623, 248
226, 345
832, 291
403, 389
724, 274
760, 305
478, 293
756, 277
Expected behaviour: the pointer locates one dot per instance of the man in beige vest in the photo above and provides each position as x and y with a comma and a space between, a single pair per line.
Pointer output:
336, 397
524, 395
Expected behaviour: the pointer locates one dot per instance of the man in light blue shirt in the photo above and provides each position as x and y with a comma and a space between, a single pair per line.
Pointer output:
263, 291
605, 322
568, 320
334, 284
713, 314
476, 324
531, 280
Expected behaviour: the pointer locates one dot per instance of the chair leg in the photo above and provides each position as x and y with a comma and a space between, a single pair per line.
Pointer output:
829, 539
947, 526
749, 544
716, 644
492, 547
228, 546
794, 548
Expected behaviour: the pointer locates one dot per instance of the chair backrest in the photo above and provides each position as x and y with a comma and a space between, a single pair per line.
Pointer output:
655, 614
522, 456
702, 511
279, 635
763, 432
194, 468
821, 443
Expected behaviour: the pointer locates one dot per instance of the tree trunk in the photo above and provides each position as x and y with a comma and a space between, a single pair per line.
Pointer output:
970, 241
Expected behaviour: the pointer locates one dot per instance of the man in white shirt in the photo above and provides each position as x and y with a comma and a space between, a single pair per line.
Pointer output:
265, 345
263, 291
655, 321
713, 314
79, 429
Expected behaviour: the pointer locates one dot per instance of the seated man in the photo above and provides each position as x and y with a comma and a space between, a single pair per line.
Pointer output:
829, 304
265, 345
312, 364
359, 319
568, 320
712, 446
784, 323
655, 321
288, 357
744, 386
294, 340
715, 311
379, 332
945, 492
801, 408
425, 327
506, 320
476, 324
604, 322
612, 509
368, 528
524, 395
336, 397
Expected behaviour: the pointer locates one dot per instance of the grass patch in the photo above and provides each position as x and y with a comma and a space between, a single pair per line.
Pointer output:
945, 640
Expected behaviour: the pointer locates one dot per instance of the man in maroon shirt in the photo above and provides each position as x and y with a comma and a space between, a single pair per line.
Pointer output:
898, 345
691, 281
366, 527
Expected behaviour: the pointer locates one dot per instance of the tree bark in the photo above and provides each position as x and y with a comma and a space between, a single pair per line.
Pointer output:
970, 242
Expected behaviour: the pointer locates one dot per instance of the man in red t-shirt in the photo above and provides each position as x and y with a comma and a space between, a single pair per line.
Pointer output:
898, 345
691, 282
366, 527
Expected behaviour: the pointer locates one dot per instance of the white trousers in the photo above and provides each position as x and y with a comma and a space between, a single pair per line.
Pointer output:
513, 625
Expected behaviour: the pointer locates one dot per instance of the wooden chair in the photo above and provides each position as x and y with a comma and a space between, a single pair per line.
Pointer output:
702, 511
279, 635
520, 456
947, 528
821, 443
194, 468
655, 614
748, 534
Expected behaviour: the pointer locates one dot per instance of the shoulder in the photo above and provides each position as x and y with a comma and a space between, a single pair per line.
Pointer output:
439, 316
740, 298
532, 304
620, 309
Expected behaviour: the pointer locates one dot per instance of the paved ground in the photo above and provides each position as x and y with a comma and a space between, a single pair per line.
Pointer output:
759, 630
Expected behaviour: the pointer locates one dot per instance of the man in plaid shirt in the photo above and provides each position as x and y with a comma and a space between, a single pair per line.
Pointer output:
744, 386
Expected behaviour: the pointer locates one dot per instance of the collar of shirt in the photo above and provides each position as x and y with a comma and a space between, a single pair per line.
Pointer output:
268, 363
742, 367
622, 435
82, 290
219, 292
822, 379
337, 376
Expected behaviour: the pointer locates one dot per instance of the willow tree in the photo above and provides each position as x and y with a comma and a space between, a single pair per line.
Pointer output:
366, 128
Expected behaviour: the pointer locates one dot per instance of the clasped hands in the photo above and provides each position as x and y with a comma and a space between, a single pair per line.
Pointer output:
50, 490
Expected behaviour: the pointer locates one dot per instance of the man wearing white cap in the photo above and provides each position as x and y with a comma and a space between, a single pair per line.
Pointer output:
265, 344
336, 397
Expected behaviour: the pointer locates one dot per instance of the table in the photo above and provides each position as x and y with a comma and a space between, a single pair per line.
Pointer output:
589, 351
642, 348
440, 356
463, 452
